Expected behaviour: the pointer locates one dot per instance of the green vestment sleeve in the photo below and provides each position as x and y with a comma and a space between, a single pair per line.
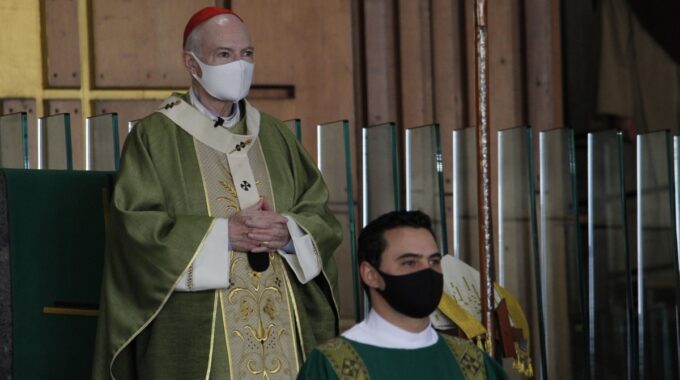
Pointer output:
494, 371
317, 367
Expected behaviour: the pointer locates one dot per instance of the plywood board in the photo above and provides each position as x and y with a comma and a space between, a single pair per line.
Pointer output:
60, 43
382, 84
415, 62
321, 68
150, 56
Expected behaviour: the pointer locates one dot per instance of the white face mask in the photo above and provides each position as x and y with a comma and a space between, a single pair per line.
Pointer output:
229, 82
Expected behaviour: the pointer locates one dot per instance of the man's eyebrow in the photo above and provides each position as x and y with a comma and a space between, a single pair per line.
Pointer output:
411, 255
408, 255
230, 49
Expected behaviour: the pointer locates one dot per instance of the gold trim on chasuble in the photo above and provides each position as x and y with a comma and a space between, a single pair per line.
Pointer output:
257, 308
470, 359
345, 360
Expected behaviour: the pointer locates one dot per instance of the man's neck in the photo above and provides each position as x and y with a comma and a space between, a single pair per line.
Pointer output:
216, 106
404, 322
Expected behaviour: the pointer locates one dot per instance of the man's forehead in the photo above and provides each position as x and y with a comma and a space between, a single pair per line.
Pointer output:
409, 240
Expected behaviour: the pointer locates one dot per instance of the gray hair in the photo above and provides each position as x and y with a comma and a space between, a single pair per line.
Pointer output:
193, 43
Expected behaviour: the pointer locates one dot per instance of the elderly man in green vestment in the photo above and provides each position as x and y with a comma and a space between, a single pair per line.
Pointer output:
220, 242
400, 267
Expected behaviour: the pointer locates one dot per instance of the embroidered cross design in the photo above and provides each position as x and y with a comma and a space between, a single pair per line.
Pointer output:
471, 364
241, 145
172, 104
350, 368
245, 185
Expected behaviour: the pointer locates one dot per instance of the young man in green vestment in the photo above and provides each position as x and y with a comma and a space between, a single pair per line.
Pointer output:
219, 255
401, 271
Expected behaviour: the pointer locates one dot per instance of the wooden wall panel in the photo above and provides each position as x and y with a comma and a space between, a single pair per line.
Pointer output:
382, 78
449, 65
544, 57
320, 68
415, 54
151, 32
28, 106
77, 128
470, 39
60, 43
505, 65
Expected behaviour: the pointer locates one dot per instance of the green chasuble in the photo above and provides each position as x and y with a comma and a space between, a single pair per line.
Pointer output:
178, 174
449, 358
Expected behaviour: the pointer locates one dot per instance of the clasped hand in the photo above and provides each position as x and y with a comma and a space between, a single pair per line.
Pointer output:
258, 229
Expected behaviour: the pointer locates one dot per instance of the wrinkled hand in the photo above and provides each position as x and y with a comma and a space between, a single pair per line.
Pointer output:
258, 229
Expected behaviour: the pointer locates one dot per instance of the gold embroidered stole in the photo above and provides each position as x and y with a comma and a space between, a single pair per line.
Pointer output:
257, 307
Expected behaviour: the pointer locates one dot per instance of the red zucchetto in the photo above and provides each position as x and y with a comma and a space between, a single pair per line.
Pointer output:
203, 15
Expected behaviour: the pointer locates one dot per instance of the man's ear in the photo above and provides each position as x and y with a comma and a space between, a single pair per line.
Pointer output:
190, 64
370, 276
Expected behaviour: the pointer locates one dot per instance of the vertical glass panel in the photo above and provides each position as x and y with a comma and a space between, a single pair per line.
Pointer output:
334, 161
514, 228
54, 142
380, 171
464, 227
610, 311
425, 178
562, 279
295, 126
517, 242
76, 127
13, 105
14, 141
129, 112
657, 269
102, 144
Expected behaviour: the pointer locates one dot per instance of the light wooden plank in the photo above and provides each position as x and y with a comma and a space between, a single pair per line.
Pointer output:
60, 42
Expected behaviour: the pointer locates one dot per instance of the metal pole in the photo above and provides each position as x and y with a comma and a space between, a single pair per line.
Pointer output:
486, 257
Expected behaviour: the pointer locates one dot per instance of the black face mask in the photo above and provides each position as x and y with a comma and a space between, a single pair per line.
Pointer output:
416, 294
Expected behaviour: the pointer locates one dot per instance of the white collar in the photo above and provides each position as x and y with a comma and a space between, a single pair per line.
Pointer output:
195, 123
376, 331
229, 121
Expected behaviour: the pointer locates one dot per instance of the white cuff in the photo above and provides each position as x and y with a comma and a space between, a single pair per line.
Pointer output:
210, 269
305, 263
